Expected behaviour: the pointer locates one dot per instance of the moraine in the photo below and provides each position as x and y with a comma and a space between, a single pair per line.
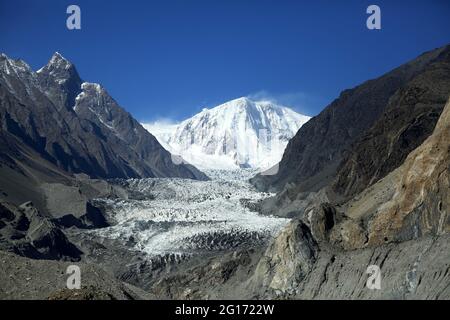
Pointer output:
185, 217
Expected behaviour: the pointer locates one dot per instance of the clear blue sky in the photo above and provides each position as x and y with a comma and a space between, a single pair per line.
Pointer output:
170, 58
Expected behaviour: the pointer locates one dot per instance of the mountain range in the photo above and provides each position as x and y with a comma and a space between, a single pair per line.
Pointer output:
53, 125
363, 184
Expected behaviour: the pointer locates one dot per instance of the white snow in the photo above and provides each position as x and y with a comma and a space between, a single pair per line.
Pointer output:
239, 133
91, 86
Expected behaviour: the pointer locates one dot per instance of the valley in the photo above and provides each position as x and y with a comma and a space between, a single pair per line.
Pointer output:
364, 183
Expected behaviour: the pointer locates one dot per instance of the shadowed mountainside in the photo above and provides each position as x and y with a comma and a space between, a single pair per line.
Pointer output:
77, 126
312, 157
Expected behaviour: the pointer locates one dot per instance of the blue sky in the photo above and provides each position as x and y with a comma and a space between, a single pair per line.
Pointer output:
171, 58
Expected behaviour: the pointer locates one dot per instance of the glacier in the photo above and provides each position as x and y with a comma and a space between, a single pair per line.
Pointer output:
186, 217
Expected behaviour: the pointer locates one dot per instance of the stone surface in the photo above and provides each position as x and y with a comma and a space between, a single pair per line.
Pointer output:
25, 231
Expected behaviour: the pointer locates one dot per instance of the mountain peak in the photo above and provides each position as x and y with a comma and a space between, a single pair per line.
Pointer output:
94, 87
16, 66
242, 101
57, 62
237, 133
63, 73
248, 103
57, 57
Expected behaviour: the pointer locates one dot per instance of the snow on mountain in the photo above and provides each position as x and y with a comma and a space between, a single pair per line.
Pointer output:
241, 133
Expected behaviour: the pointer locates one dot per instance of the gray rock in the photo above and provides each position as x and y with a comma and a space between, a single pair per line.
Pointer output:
26, 232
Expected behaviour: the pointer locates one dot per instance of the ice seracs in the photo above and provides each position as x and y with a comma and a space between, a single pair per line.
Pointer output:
182, 216
241, 133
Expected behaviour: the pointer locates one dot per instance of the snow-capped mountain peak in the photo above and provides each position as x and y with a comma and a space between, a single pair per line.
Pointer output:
57, 62
239, 133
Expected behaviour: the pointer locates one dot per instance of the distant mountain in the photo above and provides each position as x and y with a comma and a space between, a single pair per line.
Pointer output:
239, 133
76, 126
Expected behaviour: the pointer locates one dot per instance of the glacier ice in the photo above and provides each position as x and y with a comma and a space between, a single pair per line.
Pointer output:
182, 216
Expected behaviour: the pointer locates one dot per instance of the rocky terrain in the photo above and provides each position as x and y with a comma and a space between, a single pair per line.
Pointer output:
382, 202
364, 183
24, 278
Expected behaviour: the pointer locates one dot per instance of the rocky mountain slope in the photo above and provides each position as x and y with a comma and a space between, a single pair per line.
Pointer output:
25, 231
239, 133
312, 157
89, 132
409, 118
406, 227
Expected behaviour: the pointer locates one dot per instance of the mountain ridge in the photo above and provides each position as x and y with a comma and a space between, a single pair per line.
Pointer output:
78, 142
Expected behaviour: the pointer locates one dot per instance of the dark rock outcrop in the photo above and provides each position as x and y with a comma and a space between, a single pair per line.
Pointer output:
60, 81
92, 219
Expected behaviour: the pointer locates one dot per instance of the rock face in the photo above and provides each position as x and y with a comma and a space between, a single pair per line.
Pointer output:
89, 132
407, 230
60, 81
421, 202
287, 260
416, 269
312, 157
26, 232
409, 118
